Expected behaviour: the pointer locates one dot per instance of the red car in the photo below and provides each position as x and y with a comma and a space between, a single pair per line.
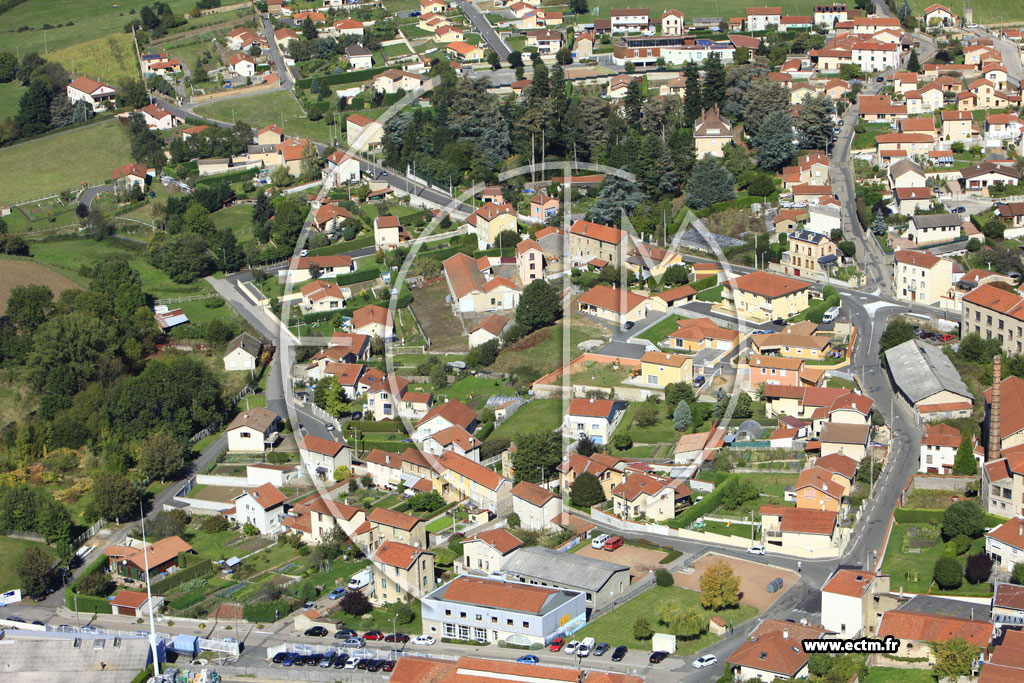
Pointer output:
373, 635
946, 338
388, 666
557, 644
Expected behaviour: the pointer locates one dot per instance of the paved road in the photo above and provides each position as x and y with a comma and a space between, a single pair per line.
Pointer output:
476, 16
91, 193
282, 69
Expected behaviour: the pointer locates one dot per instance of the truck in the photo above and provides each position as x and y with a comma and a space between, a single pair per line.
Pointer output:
585, 647
830, 315
360, 579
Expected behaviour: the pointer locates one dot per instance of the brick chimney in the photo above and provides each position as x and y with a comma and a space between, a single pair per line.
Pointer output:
994, 434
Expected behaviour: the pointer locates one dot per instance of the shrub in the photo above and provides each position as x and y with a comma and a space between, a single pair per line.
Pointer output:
265, 611
214, 524
1017, 576
961, 544
250, 529
641, 629
586, 490
979, 567
355, 603
513, 521
964, 517
948, 573
623, 440
663, 577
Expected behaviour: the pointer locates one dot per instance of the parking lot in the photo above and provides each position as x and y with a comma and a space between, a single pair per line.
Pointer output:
639, 560
754, 577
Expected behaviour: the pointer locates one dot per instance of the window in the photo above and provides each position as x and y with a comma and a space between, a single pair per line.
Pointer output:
494, 620
463, 632
462, 615
449, 630
526, 624
509, 622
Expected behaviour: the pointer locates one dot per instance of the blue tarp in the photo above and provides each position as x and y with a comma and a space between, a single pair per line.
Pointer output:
185, 644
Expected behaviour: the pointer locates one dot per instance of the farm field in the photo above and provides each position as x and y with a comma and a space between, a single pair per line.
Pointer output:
11, 550
99, 149
696, 8
265, 109
18, 272
82, 20
110, 59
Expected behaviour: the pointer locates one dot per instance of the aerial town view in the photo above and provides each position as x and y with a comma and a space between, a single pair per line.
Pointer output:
545, 341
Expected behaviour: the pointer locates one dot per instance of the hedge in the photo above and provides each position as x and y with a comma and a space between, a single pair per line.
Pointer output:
181, 576
231, 177
265, 611
705, 282
361, 275
707, 506
383, 426
918, 516
88, 603
338, 79
143, 675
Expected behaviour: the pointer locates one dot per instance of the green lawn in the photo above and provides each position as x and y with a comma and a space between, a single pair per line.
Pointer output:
657, 333
83, 20
711, 294
616, 627
913, 571
67, 257
891, 674
772, 483
473, 389
662, 431
726, 529
985, 11
10, 96
542, 350
866, 139
11, 550
110, 59
44, 166
237, 219
538, 414
262, 110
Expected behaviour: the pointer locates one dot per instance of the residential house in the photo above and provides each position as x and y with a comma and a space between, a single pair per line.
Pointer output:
661, 369
982, 176
760, 18
488, 550
828, 15
809, 254
243, 353
1012, 215
543, 207
583, 47
464, 479
387, 232
464, 51
775, 370
473, 292
401, 572
487, 610
242, 65
537, 507
816, 490
373, 321
646, 496
98, 96
672, 23
938, 449
393, 80
774, 651
852, 602
490, 220
792, 345
625, 20
910, 200
444, 416
390, 469
547, 42
454, 439
262, 507
957, 126
320, 295
921, 277
136, 562
932, 229
321, 457
762, 296
134, 603
363, 133
995, 313
252, 431
798, 531
346, 27
850, 440
919, 632
938, 15
390, 526
608, 470
697, 334
446, 33
589, 241
594, 418
384, 397
712, 133
131, 175
599, 581
530, 261
491, 327
1005, 543
284, 37
330, 266
614, 305
359, 58
159, 118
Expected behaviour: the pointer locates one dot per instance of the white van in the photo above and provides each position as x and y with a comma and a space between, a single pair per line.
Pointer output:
598, 543
360, 579
585, 647
830, 315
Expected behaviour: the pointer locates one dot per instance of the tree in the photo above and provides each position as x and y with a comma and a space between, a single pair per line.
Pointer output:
213, 524
663, 577
774, 141
34, 570
948, 573
763, 98
483, 355
815, 122
33, 115
507, 238
160, 456
355, 603
165, 524
646, 415
692, 103
8, 67
913, 63
633, 102
847, 248
493, 59
979, 568
641, 629
131, 94
579, 6
964, 462
426, 501
184, 257
679, 391
964, 517
586, 490
586, 446
617, 195
954, 658
513, 521
719, 587
1017, 575
537, 455
896, 332
709, 183
97, 584
28, 306
682, 417
741, 55
114, 496
538, 307
712, 92
622, 440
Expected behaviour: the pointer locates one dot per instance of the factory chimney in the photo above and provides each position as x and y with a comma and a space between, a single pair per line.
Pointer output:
994, 434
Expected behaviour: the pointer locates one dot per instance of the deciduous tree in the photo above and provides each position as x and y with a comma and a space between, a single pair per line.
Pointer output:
719, 587
954, 658
586, 490
35, 567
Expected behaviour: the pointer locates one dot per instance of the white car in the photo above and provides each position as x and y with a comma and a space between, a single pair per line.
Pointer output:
304, 253
757, 550
570, 648
423, 640
598, 543
705, 661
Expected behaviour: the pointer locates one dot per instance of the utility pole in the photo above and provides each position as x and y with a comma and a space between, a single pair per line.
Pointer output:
149, 594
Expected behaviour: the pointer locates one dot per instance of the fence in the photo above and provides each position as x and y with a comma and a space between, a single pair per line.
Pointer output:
641, 586
185, 299
248, 90
89, 533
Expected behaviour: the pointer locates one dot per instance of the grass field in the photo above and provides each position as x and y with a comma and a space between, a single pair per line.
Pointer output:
11, 550
68, 256
262, 110
696, 8
658, 332
985, 11
891, 674
237, 219
913, 571
538, 414
98, 150
662, 431
616, 627
473, 389
14, 273
110, 59
542, 350
10, 96
89, 18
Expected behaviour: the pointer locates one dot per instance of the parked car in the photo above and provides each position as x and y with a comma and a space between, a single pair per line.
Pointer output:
374, 665
314, 660
613, 543
316, 631
309, 604
345, 633
388, 665
528, 659
279, 657
341, 661
757, 550
362, 663
353, 642
619, 653
304, 253
947, 338
396, 638
328, 661
628, 325
351, 663
658, 657
356, 416
598, 542
601, 649
328, 426
570, 649
374, 635
557, 644
289, 658
880, 79
423, 640
336, 593
705, 661
698, 381
781, 322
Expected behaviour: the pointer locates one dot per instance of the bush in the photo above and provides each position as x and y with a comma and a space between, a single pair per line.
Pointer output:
964, 517
355, 603
200, 568
623, 440
948, 573
97, 584
912, 516
426, 501
404, 614
214, 524
705, 282
979, 567
663, 577
961, 544
513, 521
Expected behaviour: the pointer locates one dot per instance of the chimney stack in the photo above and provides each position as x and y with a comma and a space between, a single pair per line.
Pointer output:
994, 434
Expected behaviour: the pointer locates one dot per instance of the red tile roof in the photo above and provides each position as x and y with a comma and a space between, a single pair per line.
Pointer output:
802, 520
768, 285
499, 595
933, 628
1011, 533
591, 407
775, 647
395, 554
697, 329
849, 582
266, 496
838, 464
597, 231
612, 299
322, 446
127, 598
941, 435
499, 539
473, 471
532, 493
453, 411
397, 520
